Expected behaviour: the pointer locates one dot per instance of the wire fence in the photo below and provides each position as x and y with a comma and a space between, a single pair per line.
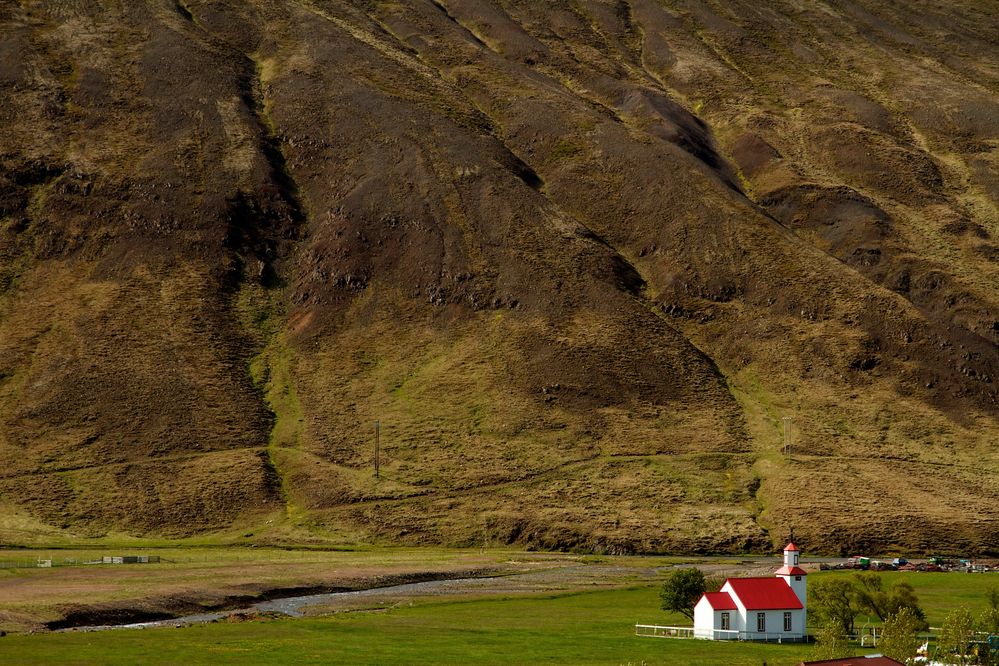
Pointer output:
51, 562
208, 556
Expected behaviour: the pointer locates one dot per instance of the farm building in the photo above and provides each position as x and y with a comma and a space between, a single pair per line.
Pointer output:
869, 660
756, 608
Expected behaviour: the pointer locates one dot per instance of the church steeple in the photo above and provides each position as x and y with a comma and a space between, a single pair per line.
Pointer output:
791, 555
792, 574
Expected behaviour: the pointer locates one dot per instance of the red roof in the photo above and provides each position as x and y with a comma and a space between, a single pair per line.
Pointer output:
790, 546
764, 593
791, 571
855, 661
720, 600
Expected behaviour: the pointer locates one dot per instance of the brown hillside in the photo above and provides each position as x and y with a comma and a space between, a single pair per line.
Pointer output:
577, 258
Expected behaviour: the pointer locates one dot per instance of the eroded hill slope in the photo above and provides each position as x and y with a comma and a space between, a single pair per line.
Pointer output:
578, 259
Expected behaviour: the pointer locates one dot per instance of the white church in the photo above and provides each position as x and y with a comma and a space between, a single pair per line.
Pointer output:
752, 609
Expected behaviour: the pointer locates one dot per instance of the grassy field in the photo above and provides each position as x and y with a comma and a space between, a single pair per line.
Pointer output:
582, 628
187, 579
560, 626
205, 576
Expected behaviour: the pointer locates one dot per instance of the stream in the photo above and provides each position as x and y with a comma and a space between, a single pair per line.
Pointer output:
293, 606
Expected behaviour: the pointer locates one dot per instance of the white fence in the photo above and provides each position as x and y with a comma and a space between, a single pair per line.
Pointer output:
723, 635
661, 631
72, 562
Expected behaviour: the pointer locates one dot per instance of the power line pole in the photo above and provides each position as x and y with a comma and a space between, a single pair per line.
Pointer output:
377, 437
787, 436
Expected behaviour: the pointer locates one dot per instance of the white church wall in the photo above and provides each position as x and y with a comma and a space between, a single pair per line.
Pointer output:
704, 618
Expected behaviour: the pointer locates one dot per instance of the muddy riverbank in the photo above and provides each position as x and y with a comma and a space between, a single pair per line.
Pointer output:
173, 610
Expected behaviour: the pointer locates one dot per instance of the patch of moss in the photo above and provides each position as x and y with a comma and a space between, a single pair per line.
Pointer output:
565, 150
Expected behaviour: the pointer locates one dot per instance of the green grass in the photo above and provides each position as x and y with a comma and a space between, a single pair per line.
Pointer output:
591, 627
582, 628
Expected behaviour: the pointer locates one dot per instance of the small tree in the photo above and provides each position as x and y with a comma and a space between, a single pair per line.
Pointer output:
874, 599
955, 638
830, 641
992, 594
681, 590
988, 621
902, 596
898, 636
833, 600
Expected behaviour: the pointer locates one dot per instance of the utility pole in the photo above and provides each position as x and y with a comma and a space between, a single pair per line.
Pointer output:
377, 436
787, 436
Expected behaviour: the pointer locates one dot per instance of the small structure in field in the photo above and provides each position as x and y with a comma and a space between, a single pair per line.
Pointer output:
756, 609
130, 559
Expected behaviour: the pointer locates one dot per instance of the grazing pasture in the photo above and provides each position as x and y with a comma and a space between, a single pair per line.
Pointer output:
536, 608
575, 628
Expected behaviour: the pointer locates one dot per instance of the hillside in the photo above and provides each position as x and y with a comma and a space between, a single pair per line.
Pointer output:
578, 258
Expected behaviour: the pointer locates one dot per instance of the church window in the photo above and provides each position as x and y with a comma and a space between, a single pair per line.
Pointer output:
787, 622
725, 622
761, 622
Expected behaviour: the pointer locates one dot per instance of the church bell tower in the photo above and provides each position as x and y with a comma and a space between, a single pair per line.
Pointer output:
794, 575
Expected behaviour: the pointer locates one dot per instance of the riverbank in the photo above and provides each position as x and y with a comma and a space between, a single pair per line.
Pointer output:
190, 581
213, 581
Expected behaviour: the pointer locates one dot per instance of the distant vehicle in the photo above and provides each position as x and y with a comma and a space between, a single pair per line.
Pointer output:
877, 565
899, 561
858, 562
